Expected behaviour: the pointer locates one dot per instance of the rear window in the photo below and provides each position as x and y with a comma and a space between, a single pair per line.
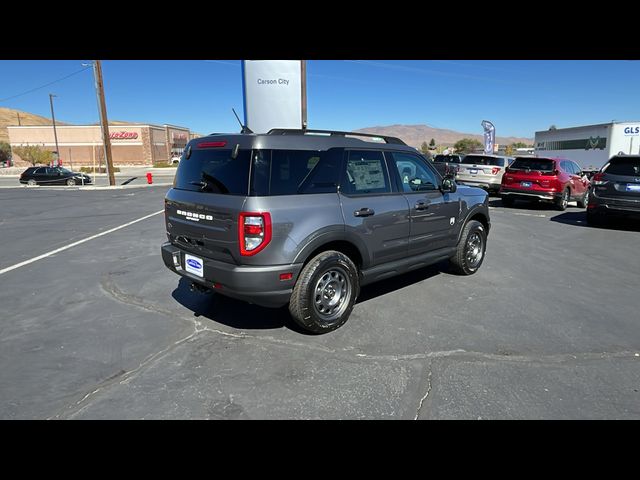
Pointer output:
213, 170
446, 159
624, 166
484, 160
294, 172
541, 164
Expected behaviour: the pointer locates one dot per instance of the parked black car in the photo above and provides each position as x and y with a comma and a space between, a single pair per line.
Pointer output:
615, 189
53, 176
447, 164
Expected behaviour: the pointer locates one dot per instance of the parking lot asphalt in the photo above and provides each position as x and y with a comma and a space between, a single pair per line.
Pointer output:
547, 329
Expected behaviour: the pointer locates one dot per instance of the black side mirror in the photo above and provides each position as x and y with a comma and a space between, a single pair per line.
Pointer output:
448, 184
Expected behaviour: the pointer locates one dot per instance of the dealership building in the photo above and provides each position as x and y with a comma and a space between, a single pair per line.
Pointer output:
589, 145
131, 144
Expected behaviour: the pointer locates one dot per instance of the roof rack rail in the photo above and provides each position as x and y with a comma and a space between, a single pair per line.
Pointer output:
287, 131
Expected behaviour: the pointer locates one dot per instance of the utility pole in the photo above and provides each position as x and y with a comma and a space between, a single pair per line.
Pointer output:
97, 71
18, 113
55, 135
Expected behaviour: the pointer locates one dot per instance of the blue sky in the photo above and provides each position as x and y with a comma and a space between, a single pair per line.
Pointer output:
519, 97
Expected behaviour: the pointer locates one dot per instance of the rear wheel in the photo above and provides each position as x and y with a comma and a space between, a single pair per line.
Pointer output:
32, 182
584, 201
471, 249
563, 201
325, 292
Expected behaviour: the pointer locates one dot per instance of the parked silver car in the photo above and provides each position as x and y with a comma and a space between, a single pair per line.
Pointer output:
483, 171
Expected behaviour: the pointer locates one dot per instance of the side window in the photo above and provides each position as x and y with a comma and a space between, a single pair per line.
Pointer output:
38, 171
414, 175
365, 173
576, 168
568, 167
50, 171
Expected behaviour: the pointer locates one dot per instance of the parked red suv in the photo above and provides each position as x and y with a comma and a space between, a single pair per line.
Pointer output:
551, 179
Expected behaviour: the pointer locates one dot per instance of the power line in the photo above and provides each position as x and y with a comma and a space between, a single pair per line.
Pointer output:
42, 86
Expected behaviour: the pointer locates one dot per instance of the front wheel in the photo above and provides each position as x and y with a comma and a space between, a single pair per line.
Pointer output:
325, 292
584, 201
71, 182
471, 249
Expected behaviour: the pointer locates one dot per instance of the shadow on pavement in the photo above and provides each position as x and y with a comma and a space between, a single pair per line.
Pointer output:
242, 315
610, 223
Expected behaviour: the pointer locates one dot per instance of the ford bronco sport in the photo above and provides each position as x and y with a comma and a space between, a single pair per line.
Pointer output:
307, 217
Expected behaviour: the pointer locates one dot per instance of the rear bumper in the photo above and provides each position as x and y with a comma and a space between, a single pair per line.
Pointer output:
530, 194
260, 285
611, 205
487, 184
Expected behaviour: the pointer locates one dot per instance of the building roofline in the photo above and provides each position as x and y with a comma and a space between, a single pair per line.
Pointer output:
588, 126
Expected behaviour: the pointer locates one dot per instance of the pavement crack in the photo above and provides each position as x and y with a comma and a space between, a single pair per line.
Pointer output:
426, 394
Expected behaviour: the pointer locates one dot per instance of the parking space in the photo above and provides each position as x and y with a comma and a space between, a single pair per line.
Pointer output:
548, 328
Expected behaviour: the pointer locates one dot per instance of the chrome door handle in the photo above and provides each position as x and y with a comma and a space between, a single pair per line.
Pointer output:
364, 212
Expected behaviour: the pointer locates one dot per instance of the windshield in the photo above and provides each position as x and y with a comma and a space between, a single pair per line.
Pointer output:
624, 166
541, 164
484, 160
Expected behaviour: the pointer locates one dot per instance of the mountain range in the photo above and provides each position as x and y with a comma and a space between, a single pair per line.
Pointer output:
414, 135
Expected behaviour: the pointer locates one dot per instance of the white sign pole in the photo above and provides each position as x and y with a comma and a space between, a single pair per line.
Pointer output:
274, 94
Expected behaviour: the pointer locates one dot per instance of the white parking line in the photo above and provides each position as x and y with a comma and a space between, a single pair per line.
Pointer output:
66, 247
529, 214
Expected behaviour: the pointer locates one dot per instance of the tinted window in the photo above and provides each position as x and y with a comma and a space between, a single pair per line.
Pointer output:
365, 173
484, 160
292, 172
50, 171
414, 175
624, 166
541, 164
39, 171
446, 159
212, 170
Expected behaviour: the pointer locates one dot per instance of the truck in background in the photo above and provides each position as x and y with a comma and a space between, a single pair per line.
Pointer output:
591, 146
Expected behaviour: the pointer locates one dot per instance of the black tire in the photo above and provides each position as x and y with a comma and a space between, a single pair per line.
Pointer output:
582, 203
32, 182
71, 182
310, 298
465, 261
562, 202
508, 201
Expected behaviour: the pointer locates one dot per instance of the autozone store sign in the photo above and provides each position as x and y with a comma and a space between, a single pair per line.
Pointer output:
123, 135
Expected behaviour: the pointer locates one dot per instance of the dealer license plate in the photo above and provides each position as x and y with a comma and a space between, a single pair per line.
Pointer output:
525, 184
473, 171
194, 265
633, 188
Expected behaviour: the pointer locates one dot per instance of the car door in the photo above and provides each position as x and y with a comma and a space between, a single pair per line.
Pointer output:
374, 211
40, 175
581, 180
53, 176
433, 215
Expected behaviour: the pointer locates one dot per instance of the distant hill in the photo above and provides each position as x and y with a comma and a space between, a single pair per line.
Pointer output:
9, 116
414, 135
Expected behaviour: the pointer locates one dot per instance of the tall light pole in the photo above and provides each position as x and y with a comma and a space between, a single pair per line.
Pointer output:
55, 134
97, 74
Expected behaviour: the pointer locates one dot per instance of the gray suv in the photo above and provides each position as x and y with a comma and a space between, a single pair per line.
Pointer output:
307, 217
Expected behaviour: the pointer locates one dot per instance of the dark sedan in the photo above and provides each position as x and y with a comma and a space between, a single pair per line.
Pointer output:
53, 176
615, 189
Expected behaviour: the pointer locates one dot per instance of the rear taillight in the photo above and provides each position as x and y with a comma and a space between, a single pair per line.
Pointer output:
598, 179
495, 170
254, 232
